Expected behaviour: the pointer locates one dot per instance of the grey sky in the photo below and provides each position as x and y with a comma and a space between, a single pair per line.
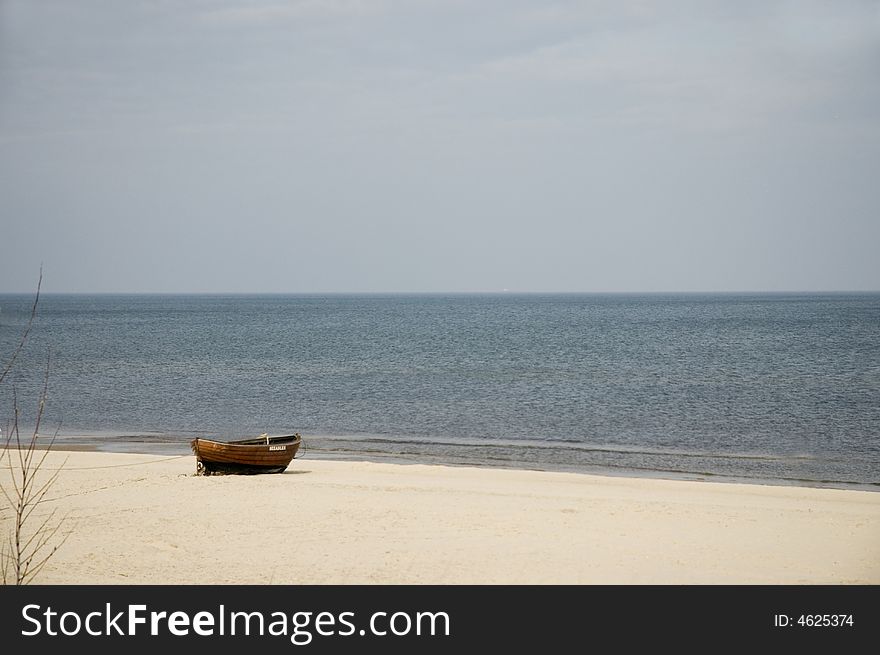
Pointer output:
439, 145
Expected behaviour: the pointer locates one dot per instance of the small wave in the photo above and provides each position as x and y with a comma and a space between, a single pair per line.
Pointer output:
580, 447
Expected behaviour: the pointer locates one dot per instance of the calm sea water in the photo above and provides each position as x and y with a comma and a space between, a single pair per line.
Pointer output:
759, 387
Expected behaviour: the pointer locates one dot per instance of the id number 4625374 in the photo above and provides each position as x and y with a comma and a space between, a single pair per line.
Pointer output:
813, 620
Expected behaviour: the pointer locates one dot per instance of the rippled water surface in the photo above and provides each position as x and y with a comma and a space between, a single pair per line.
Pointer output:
770, 387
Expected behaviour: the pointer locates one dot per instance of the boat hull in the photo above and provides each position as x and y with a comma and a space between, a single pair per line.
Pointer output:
245, 457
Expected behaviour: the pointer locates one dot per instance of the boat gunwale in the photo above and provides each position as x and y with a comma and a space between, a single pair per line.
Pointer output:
226, 444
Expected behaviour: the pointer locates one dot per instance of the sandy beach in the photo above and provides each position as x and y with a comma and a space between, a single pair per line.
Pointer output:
146, 519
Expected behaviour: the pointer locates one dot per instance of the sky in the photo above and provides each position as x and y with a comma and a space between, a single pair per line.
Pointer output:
314, 146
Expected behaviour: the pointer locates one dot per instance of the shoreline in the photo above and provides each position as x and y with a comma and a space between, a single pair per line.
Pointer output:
344, 448
148, 519
93, 444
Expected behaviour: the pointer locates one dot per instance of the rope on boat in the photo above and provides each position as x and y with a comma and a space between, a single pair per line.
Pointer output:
112, 466
299, 455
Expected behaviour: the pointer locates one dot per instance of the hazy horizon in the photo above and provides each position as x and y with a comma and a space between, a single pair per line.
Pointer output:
475, 292
382, 146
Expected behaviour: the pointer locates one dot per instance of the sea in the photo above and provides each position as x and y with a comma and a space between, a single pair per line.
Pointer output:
763, 388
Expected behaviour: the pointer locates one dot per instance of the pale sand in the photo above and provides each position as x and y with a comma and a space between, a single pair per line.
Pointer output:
142, 519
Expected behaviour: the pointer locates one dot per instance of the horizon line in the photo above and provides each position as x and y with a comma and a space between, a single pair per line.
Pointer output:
500, 292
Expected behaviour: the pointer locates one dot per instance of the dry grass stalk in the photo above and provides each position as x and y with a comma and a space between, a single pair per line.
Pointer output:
33, 537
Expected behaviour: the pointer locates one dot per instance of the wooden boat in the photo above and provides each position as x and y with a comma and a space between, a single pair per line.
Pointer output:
263, 454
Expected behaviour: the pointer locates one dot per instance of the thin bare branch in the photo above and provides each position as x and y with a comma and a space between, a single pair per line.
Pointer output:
15, 431
41, 403
42, 534
39, 565
32, 539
